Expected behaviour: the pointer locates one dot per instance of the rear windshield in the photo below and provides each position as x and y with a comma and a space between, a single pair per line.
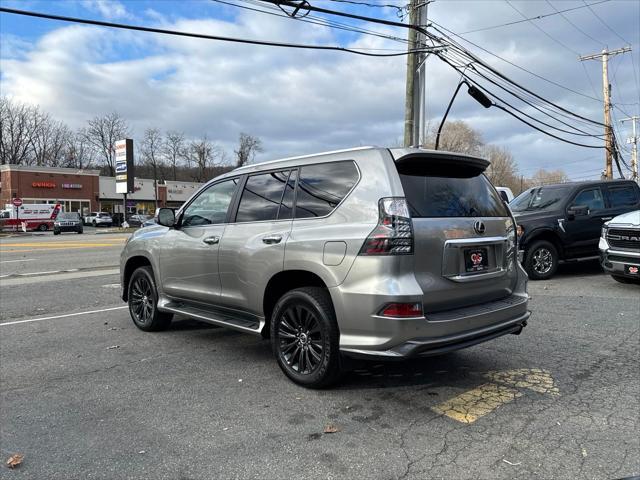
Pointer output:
431, 196
540, 198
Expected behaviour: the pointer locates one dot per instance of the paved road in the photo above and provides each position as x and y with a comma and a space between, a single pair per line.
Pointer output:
562, 400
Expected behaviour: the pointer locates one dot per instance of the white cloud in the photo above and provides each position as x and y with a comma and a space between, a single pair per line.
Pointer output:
109, 9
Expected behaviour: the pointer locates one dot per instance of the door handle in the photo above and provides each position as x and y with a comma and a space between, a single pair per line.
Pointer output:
272, 239
211, 240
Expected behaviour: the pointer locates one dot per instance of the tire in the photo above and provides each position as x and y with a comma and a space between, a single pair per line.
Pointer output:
621, 279
143, 302
81, 230
305, 337
541, 261
43, 227
94, 224
56, 232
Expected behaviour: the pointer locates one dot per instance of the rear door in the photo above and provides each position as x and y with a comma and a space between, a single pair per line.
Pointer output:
464, 236
252, 247
623, 198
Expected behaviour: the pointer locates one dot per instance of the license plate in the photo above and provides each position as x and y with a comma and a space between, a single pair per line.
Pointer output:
631, 270
476, 260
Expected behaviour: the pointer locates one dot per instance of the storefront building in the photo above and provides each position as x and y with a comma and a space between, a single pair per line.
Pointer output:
76, 190
86, 191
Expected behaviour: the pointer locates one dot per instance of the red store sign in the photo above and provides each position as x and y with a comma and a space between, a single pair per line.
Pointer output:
43, 185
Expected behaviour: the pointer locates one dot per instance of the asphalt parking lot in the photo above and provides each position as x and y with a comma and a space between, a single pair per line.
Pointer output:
87, 395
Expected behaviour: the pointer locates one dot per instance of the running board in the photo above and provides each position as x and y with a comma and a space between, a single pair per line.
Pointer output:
217, 316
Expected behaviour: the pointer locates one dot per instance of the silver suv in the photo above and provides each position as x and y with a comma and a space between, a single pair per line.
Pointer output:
369, 252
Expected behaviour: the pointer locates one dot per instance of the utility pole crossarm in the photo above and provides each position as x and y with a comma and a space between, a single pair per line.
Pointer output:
605, 52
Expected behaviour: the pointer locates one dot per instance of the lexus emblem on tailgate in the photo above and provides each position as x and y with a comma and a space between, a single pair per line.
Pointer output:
479, 227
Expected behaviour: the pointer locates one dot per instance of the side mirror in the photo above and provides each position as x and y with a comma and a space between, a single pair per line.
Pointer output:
577, 211
167, 217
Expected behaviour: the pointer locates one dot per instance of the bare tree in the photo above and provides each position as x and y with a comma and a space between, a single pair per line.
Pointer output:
18, 126
458, 136
151, 155
204, 157
102, 133
78, 152
50, 140
248, 146
503, 171
174, 150
547, 177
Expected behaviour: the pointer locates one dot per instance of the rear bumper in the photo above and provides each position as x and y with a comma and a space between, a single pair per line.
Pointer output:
423, 347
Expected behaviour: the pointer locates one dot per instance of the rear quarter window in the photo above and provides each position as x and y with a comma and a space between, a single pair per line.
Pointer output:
431, 196
323, 186
623, 196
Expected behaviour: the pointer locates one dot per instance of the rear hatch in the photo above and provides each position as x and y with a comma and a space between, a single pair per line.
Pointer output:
464, 237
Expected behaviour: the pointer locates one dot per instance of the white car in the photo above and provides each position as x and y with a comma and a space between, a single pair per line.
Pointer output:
505, 193
98, 219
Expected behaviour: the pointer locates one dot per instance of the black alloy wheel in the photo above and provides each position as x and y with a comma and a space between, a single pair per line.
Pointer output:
143, 301
541, 261
43, 227
304, 337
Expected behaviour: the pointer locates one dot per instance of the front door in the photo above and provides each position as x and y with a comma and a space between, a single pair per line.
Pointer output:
583, 231
189, 253
252, 247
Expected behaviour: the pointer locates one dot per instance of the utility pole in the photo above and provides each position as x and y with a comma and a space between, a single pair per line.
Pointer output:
415, 100
606, 95
633, 140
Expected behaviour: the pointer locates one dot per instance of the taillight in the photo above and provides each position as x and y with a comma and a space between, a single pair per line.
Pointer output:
402, 310
394, 234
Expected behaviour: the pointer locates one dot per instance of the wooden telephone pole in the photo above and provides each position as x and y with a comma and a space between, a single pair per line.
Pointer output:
606, 95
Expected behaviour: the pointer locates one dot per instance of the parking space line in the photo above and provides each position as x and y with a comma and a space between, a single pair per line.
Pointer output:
41, 319
473, 404
13, 261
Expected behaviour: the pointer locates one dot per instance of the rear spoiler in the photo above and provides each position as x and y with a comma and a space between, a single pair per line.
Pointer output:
416, 161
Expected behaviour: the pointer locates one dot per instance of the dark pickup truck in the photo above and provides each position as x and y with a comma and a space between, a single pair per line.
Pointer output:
563, 222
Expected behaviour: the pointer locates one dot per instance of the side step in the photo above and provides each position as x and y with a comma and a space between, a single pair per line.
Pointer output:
217, 316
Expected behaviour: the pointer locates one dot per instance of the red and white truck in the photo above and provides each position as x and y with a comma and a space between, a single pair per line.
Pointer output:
29, 216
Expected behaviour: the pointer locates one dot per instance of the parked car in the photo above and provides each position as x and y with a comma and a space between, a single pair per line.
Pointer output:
620, 247
137, 220
505, 193
563, 222
151, 221
67, 222
390, 253
98, 219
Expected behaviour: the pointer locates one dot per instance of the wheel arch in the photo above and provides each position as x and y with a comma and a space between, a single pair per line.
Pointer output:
132, 264
279, 284
549, 236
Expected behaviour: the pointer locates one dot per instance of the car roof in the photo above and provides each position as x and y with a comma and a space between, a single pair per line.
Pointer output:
587, 183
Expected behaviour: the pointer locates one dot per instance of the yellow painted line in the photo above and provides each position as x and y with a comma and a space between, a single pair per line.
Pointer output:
535, 379
473, 404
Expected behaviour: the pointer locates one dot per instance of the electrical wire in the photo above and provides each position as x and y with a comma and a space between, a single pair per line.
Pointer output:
538, 17
202, 36
573, 24
604, 23
400, 10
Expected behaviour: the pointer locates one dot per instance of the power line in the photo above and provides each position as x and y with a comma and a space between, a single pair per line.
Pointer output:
202, 36
400, 10
604, 23
440, 28
573, 24
542, 30
538, 17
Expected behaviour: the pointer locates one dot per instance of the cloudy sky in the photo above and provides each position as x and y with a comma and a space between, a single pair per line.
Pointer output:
304, 101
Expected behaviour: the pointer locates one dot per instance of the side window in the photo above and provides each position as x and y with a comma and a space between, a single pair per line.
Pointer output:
322, 187
591, 198
210, 207
261, 197
622, 196
286, 207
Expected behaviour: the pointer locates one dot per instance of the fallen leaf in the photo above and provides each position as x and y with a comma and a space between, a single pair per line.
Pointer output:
142, 452
330, 429
15, 460
113, 347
